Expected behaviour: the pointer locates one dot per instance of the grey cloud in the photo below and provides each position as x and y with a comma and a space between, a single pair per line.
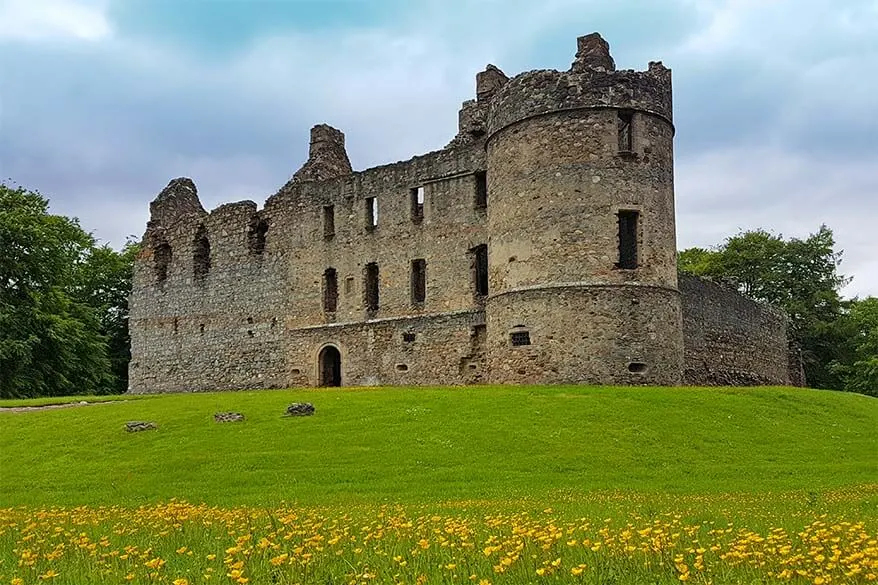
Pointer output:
773, 130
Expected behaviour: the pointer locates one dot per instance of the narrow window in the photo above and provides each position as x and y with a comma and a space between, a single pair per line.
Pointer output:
256, 236
480, 269
162, 259
481, 190
201, 254
419, 281
627, 239
519, 338
417, 204
624, 126
371, 288
371, 213
349, 285
328, 221
330, 290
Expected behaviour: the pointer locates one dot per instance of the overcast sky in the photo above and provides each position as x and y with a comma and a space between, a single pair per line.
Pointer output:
102, 102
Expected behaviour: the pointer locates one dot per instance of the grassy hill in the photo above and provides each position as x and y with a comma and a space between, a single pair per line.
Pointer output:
420, 445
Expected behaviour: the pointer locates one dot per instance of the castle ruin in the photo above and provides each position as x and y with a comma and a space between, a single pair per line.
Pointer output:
539, 246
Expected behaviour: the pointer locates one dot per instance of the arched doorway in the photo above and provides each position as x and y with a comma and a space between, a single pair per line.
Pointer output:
329, 362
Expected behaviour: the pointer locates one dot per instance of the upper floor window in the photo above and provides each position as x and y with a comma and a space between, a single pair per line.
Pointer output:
416, 196
625, 127
330, 290
328, 221
371, 287
201, 254
161, 256
371, 213
480, 269
256, 236
419, 281
481, 190
627, 221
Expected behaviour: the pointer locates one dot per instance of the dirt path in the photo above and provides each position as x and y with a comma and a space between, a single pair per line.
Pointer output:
56, 406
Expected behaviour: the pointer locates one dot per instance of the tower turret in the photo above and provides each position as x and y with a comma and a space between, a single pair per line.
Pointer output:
582, 244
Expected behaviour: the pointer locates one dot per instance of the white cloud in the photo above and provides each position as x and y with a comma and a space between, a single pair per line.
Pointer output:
37, 20
747, 187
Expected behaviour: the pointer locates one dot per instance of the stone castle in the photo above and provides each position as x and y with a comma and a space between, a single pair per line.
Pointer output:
539, 246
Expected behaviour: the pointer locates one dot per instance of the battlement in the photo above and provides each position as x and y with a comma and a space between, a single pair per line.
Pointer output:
592, 82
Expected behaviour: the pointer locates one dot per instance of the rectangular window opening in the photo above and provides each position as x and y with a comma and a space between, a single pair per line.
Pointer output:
417, 204
480, 269
328, 221
408, 337
625, 128
349, 285
627, 239
419, 281
330, 290
481, 190
371, 213
519, 338
371, 288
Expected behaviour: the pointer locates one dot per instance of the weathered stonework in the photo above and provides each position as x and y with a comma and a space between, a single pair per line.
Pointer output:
509, 256
732, 341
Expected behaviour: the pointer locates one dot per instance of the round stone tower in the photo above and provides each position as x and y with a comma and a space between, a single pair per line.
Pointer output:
582, 244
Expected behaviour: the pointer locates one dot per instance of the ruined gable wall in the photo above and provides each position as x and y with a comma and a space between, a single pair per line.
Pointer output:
218, 332
730, 340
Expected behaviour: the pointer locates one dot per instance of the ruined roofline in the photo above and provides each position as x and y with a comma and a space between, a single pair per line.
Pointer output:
499, 101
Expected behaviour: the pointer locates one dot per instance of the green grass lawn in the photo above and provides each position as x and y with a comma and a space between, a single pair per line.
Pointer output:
487, 485
411, 445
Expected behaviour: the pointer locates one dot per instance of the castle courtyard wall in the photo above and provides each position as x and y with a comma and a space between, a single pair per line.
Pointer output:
731, 340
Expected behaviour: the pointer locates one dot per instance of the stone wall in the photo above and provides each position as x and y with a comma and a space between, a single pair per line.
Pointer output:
255, 317
559, 177
242, 297
732, 341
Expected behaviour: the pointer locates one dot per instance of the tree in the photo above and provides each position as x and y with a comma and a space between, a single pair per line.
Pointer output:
799, 276
103, 282
860, 373
50, 335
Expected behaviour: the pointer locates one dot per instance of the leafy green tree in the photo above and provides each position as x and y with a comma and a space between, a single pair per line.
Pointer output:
860, 373
798, 275
103, 282
50, 339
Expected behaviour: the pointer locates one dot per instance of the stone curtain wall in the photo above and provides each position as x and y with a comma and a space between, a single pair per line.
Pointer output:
731, 340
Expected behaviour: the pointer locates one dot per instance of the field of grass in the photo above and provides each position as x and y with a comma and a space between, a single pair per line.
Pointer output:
454, 485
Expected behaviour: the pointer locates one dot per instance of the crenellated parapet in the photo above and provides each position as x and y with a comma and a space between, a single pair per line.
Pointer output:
591, 83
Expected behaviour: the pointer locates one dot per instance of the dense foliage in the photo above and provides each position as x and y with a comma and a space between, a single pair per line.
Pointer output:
838, 338
63, 303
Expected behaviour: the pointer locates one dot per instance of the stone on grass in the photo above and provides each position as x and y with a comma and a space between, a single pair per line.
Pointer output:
135, 426
222, 417
300, 409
